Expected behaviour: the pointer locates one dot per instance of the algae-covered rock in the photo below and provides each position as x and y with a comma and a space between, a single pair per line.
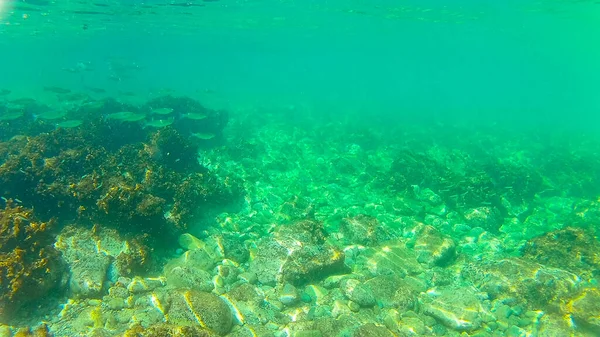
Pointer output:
98, 255
191, 269
142, 285
254, 305
585, 309
391, 291
372, 330
486, 217
199, 309
312, 263
406, 325
297, 254
288, 294
461, 309
88, 275
186, 276
233, 247
357, 292
245, 292
557, 325
542, 288
40, 331
572, 249
167, 330
268, 261
198, 259
363, 230
304, 231
336, 327
251, 330
30, 268
433, 248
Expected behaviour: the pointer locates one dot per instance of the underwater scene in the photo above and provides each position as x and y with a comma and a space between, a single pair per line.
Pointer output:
286, 168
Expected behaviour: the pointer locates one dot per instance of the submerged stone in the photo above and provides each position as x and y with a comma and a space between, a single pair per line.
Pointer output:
542, 288
88, 274
433, 248
572, 249
372, 330
199, 309
585, 309
391, 291
488, 218
96, 256
163, 330
363, 230
357, 292
288, 294
298, 255
190, 242
461, 309
392, 259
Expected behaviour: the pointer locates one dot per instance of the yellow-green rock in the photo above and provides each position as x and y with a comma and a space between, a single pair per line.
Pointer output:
199, 309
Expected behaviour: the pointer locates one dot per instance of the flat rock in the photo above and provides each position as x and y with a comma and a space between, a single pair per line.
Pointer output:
461, 309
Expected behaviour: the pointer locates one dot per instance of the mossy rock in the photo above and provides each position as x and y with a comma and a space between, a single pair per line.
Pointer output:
167, 330
199, 309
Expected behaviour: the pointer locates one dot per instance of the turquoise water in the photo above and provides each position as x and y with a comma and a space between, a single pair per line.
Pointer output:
285, 168
487, 59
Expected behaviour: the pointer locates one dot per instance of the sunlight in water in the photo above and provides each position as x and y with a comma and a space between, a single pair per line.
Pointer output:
4, 6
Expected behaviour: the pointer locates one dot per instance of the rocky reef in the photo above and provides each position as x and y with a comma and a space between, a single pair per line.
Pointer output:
114, 172
115, 184
339, 230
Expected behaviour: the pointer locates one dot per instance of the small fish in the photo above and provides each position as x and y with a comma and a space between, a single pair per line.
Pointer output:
126, 116
14, 106
4, 92
194, 116
23, 101
79, 67
135, 118
96, 90
120, 115
162, 111
69, 124
159, 123
203, 135
93, 105
11, 115
57, 90
50, 115
73, 97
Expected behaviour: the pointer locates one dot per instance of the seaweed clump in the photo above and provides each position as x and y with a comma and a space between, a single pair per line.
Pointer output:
30, 267
572, 249
155, 186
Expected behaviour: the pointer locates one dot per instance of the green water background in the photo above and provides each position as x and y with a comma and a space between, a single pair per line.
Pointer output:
523, 62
